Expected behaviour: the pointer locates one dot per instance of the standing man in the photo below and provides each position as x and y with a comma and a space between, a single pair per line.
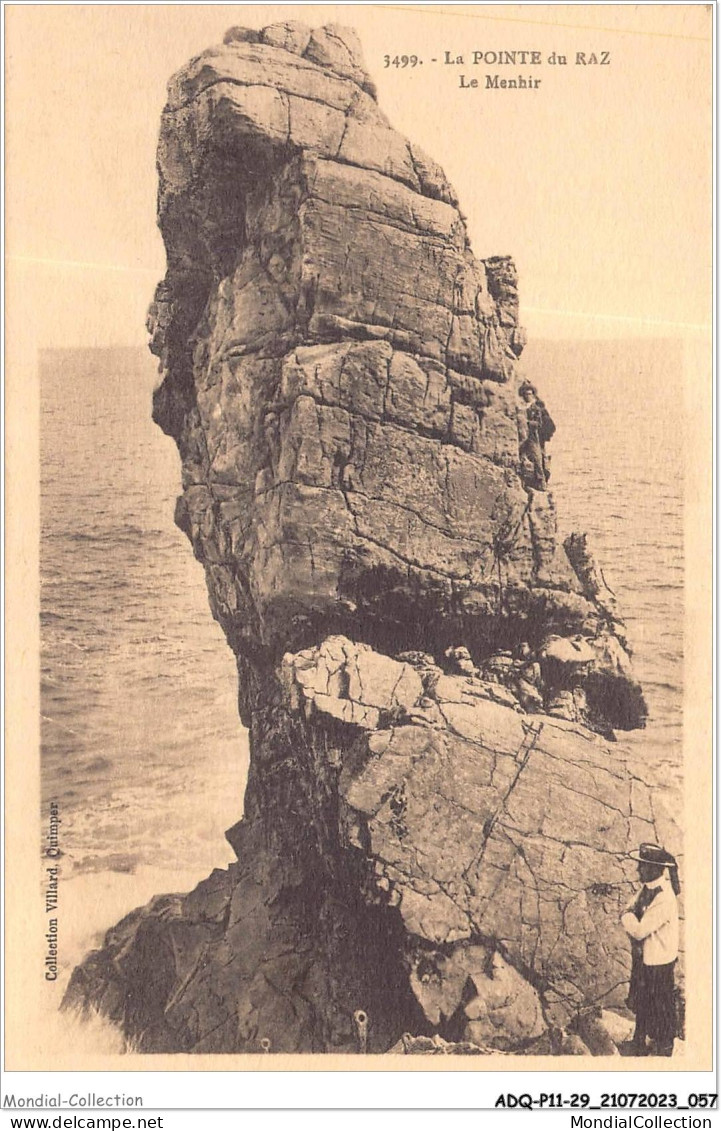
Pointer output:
535, 429
651, 921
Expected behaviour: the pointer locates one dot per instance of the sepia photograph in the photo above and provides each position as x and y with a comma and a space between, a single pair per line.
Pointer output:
359, 537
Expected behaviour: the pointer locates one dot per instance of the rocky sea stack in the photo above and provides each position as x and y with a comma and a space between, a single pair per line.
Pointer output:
437, 816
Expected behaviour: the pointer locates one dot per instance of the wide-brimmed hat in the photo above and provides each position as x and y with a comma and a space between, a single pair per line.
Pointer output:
653, 854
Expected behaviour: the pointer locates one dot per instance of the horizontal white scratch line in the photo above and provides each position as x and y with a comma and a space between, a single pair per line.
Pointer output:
81, 264
434, 11
615, 318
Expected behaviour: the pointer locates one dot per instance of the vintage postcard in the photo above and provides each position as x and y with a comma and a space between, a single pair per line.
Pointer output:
359, 537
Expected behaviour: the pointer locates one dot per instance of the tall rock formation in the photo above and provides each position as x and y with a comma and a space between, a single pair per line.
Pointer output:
437, 817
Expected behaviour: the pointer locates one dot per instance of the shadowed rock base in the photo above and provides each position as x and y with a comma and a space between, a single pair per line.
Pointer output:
446, 863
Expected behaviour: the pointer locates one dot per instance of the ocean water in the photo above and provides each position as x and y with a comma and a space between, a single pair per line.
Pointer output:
617, 472
142, 747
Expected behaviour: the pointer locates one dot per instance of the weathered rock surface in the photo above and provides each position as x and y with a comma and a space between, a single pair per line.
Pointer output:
437, 816
340, 373
416, 849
